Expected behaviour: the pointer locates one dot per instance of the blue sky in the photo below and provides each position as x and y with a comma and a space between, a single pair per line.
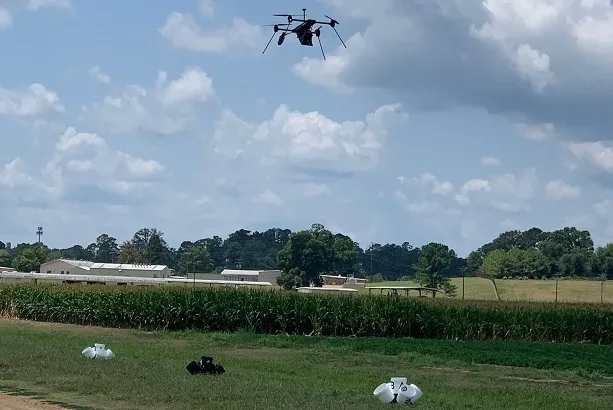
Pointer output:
447, 121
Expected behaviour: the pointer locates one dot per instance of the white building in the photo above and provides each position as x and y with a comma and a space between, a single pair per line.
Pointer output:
66, 266
129, 269
251, 275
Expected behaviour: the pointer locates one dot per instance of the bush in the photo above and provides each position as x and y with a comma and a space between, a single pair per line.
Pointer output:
219, 309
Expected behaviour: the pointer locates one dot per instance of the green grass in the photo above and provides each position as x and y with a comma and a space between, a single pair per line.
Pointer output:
295, 372
522, 290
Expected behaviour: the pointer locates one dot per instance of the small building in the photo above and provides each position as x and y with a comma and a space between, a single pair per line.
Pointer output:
251, 275
240, 275
6, 269
349, 281
128, 269
66, 266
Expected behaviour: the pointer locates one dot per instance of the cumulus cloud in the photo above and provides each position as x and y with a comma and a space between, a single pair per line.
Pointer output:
312, 139
540, 62
167, 108
559, 189
34, 101
97, 73
597, 153
182, 31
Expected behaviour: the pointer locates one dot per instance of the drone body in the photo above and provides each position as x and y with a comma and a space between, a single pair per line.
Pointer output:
304, 31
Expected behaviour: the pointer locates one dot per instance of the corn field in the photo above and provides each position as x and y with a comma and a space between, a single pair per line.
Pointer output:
229, 310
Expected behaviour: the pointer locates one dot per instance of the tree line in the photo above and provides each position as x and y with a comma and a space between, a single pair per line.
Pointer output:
304, 255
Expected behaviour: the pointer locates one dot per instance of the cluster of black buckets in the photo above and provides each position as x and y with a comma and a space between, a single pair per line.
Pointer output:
205, 366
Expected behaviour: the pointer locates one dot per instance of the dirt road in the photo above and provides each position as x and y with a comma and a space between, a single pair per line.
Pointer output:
8, 402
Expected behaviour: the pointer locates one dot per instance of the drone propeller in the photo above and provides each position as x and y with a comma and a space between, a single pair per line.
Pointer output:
332, 21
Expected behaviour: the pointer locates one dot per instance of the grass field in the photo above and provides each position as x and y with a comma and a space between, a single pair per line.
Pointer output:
528, 290
292, 372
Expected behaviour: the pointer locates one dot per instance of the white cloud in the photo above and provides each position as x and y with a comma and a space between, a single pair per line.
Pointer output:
473, 185
241, 37
559, 189
596, 153
506, 192
537, 132
307, 139
34, 101
38, 4
490, 161
169, 108
438, 187
96, 72
6, 21
269, 198
206, 8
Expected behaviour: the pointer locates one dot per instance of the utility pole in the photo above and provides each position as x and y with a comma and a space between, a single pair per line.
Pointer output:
371, 259
39, 233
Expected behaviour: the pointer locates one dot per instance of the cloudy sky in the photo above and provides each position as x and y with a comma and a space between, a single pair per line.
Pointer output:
442, 120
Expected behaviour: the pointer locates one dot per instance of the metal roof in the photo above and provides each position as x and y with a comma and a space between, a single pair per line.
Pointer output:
239, 272
128, 266
77, 263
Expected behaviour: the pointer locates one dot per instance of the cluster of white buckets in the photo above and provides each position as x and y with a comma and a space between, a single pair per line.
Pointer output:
98, 352
397, 391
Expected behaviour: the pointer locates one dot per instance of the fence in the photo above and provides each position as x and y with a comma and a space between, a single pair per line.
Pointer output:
551, 290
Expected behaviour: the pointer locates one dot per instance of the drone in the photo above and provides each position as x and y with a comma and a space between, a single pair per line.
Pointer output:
304, 31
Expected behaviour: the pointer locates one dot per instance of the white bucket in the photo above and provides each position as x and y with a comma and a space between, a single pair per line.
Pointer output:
407, 395
397, 383
418, 395
384, 393
89, 352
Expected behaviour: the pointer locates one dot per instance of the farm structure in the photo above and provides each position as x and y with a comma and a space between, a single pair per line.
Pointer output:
250, 275
67, 266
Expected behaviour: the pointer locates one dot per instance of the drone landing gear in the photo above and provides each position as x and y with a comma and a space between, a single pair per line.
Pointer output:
317, 34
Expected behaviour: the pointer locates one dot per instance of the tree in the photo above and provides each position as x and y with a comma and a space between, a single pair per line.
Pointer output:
196, 259
6, 259
105, 249
30, 258
129, 253
154, 254
434, 260
308, 253
601, 261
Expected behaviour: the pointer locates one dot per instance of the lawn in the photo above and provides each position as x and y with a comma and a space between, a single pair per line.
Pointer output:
512, 289
44, 359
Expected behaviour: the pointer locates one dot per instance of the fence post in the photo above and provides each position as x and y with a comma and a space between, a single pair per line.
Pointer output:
556, 290
602, 279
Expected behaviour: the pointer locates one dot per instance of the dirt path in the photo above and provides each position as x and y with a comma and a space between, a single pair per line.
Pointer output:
8, 402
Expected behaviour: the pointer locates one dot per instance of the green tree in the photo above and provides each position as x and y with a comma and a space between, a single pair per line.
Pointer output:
30, 258
105, 249
308, 253
129, 253
601, 261
6, 259
155, 253
434, 260
196, 259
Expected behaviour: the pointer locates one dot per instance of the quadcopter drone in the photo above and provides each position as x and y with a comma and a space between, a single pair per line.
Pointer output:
304, 31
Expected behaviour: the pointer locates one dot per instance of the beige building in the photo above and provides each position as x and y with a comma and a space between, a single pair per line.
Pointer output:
66, 266
251, 275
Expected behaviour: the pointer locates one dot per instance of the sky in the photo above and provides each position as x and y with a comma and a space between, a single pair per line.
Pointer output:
441, 121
